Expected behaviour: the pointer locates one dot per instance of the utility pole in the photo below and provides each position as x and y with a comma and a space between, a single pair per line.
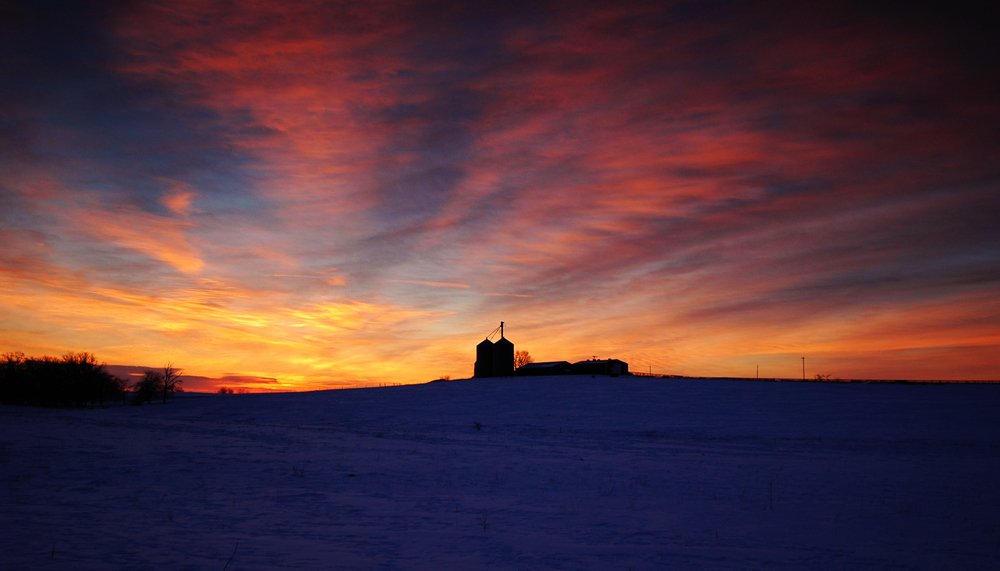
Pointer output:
501, 329
803, 368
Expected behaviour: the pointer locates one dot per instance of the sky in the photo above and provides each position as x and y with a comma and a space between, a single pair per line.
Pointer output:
305, 195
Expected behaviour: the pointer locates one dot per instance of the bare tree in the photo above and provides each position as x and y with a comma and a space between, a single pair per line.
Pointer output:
150, 384
122, 386
522, 358
13, 374
171, 378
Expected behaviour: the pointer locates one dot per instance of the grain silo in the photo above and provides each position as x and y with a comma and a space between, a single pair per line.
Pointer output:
495, 359
503, 358
484, 359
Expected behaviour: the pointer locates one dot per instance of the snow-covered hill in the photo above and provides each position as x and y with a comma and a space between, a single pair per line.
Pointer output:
523, 473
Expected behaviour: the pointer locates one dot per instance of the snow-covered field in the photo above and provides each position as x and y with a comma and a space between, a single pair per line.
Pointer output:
528, 473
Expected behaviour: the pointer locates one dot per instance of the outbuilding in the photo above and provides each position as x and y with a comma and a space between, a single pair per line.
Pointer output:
613, 367
544, 369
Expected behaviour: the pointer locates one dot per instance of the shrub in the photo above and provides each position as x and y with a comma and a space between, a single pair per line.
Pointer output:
75, 380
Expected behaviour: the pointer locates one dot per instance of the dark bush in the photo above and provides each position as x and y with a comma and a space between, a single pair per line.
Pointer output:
75, 380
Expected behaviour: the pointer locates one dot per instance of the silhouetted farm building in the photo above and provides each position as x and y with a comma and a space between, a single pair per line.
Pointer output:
495, 359
613, 367
545, 369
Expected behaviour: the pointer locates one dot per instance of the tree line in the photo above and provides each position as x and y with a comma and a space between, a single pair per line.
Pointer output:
77, 380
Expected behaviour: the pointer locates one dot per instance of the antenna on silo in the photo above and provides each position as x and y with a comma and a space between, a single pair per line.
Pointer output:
494, 332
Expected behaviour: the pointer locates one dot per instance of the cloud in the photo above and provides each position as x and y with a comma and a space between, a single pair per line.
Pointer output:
434, 284
179, 201
157, 237
684, 185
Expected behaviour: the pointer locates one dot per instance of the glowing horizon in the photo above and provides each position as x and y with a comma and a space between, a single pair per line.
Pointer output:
327, 195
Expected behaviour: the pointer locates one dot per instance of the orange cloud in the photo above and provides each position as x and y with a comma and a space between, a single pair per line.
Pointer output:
208, 326
179, 201
160, 238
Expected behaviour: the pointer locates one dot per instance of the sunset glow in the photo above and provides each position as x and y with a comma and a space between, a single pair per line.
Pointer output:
332, 195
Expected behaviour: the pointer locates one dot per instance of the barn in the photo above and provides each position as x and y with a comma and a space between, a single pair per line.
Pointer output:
544, 369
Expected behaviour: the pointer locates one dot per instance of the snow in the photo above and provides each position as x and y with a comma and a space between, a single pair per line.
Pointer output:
561, 473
